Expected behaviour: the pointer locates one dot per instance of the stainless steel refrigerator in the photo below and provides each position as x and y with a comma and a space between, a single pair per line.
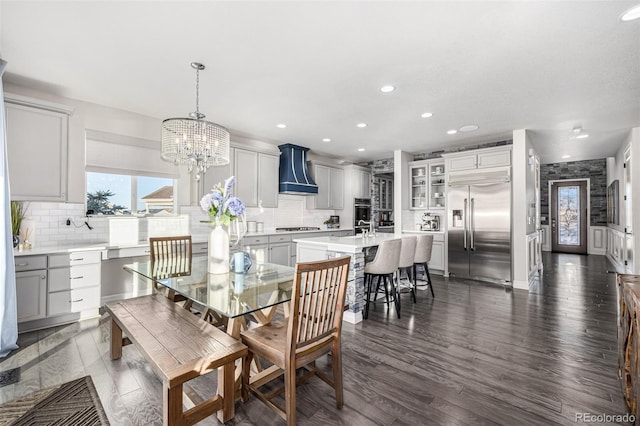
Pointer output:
479, 225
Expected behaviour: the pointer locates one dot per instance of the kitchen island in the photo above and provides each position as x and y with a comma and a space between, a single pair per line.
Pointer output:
321, 248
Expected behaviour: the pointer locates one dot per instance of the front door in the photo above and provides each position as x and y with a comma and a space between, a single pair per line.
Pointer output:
569, 219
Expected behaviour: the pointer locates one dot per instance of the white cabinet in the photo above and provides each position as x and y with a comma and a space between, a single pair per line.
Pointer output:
385, 194
31, 294
437, 256
268, 177
36, 146
427, 184
256, 178
362, 184
257, 247
74, 283
280, 253
477, 159
330, 181
215, 175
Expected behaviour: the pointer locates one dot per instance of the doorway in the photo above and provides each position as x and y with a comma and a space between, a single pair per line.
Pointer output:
569, 216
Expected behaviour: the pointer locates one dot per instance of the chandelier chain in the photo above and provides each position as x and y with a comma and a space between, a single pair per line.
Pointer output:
197, 93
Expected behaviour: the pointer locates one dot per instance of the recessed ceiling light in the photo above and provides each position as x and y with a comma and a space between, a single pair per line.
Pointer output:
631, 14
452, 132
281, 126
582, 136
426, 115
469, 128
564, 157
361, 125
360, 149
578, 133
387, 89
326, 140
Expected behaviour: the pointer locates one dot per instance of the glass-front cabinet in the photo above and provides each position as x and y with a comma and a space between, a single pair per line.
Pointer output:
427, 184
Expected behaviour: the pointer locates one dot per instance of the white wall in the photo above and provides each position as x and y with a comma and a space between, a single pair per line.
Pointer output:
523, 214
400, 184
626, 245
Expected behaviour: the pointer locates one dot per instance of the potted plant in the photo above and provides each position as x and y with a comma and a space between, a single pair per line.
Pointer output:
17, 214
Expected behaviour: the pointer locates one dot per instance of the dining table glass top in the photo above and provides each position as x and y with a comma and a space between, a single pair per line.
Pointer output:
231, 294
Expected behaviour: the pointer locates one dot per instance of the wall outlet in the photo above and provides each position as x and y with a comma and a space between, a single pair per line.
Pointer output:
68, 222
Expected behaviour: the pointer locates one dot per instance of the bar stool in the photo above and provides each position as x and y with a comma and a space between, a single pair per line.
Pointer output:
383, 266
406, 264
422, 258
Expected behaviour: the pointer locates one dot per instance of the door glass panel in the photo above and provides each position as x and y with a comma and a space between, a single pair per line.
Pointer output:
569, 215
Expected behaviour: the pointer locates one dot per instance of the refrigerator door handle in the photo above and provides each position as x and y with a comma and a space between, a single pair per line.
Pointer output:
464, 221
472, 225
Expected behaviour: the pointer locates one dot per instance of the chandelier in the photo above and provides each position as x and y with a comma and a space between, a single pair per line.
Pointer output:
194, 141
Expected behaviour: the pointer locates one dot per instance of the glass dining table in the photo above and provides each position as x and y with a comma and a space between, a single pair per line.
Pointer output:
232, 296
229, 297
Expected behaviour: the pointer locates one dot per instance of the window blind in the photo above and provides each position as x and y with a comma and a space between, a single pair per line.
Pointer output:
119, 154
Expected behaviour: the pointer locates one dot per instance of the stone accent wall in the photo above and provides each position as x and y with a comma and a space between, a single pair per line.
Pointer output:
595, 170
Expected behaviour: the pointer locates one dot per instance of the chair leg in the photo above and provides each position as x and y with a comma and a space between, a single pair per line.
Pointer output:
290, 394
375, 296
386, 288
412, 283
246, 370
426, 270
367, 283
336, 366
395, 295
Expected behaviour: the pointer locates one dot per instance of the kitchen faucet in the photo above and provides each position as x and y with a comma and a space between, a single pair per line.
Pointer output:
364, 222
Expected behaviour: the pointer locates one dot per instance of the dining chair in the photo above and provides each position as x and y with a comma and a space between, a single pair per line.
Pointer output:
405, 264
311, 331
383, 266
171, 257
422, 258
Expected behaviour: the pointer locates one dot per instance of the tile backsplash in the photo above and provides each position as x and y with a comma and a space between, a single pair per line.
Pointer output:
47, 222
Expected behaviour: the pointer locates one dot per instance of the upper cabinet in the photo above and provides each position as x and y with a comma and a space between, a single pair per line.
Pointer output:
330, 181
362, 184
427, 184
477, 159
37, 143
256, 178
385, 193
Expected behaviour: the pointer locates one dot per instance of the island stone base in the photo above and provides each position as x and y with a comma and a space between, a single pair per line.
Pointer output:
355, 285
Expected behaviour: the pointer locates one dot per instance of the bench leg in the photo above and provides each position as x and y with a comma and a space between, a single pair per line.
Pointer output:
226, 389
172, 407
116, 341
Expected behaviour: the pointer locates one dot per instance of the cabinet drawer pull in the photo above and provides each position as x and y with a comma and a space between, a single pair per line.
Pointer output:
77, 278
147, 251
76, 301
204, 248
77, 260
22, 264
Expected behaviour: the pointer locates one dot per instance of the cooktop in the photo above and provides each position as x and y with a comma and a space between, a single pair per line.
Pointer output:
298, 228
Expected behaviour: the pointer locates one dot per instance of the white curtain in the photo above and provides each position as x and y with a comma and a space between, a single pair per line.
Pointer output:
8, 310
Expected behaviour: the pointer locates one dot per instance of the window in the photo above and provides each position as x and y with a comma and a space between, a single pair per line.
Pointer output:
117, 194
125, 175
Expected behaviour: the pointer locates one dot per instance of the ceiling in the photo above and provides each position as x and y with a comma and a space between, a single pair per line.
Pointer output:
318, 67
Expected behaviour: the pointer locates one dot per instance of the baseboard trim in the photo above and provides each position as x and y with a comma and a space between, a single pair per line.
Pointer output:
521, 285
352, 317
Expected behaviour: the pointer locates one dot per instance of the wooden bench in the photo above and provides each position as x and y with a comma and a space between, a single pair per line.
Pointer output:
179, 347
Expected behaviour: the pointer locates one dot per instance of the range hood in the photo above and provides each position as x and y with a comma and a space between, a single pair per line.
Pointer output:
294, 174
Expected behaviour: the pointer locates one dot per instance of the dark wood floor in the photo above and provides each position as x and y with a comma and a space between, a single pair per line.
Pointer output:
477, 354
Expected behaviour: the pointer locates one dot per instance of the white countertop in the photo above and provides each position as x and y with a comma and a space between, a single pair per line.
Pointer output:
352, 244
67, 246
413, 231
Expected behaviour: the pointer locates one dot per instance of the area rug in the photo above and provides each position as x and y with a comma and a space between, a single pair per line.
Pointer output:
74, 403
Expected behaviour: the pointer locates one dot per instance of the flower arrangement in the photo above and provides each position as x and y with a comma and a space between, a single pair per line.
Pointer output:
221, 205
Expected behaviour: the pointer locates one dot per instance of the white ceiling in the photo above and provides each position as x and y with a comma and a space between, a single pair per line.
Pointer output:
317, 66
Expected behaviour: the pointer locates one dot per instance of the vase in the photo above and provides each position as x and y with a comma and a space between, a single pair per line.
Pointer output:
16, 241
218, 251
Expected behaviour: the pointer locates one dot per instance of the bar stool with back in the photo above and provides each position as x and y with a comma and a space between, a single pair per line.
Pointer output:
406, 264
383, 266
422, 258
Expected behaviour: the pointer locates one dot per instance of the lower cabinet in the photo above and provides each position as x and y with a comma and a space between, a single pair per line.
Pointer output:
50, 287
437, 256
31, 294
